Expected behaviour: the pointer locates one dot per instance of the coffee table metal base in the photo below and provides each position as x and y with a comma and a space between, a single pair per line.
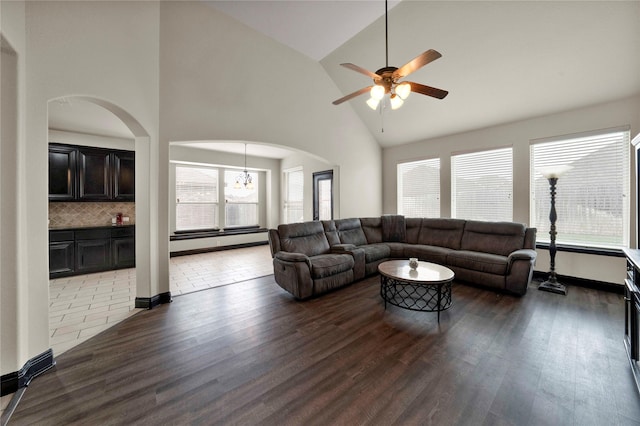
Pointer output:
416, 296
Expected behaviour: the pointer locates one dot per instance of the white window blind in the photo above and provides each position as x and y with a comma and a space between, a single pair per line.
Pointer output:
294, 196
592, 198
196, 198
482, 185
241, 204
419, 188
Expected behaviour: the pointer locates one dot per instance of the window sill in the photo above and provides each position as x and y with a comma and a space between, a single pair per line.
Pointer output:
584, 250
192, 235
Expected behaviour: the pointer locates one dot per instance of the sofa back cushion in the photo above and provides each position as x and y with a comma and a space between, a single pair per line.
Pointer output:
393, 228
372, 227
413, 225
350, 231
307, 238
331, 232
500, 238
441, 232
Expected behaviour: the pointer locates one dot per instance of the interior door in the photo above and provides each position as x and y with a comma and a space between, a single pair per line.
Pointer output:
323, 195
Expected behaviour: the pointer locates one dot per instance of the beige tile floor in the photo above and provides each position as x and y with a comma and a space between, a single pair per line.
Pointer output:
83, 306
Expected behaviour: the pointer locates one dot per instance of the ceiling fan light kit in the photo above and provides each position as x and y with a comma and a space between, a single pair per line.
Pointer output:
386, 80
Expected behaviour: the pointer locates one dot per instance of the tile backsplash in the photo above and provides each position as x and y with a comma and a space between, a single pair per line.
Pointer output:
88, 214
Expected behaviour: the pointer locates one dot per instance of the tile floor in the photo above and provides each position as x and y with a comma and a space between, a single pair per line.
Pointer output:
83, 306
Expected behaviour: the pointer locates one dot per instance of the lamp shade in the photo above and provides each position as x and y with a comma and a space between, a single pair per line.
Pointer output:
373, 103
556, 171
403, 90
396, 102
377, 92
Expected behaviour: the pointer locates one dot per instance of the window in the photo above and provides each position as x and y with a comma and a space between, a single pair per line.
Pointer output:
419, 188
482, 185
294, 195
196, 198
241, 204
592, 199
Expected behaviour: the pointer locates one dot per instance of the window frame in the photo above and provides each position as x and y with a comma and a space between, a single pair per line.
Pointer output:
580, 247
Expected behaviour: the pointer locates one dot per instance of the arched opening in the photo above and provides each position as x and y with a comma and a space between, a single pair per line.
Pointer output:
107, 132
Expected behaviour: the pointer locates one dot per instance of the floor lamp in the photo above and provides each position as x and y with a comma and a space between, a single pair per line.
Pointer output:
551, 284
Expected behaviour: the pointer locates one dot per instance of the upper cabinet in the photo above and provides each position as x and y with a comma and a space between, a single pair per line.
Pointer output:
80, 173
62, 173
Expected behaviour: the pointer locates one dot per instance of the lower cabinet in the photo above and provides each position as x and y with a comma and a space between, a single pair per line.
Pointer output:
82, 251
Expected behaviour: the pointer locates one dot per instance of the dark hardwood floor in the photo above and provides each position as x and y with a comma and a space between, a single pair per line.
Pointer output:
249, 354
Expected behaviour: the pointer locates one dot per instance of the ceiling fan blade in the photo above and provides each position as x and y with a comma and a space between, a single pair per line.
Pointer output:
416, 63
428, 90
352, 95
361, 70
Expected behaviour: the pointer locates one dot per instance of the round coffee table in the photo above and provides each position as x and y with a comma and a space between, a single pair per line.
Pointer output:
426, 288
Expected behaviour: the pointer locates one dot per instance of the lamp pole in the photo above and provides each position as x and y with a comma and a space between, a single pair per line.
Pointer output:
552, 284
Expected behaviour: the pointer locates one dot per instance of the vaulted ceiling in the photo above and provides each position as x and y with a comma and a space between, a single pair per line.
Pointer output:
502, 61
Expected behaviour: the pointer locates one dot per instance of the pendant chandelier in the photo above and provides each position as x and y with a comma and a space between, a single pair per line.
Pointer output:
244, 178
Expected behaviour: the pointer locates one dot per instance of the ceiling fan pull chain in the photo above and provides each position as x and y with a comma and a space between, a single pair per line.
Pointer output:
386, 32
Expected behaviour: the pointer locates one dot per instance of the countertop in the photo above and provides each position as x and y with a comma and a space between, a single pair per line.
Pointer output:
69, 228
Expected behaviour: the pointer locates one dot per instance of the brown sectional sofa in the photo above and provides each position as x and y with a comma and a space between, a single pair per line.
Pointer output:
311, 258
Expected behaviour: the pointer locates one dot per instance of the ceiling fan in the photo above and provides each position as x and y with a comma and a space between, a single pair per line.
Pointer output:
386, 79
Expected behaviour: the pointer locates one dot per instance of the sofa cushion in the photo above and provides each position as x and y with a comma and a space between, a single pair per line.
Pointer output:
427, 253
375, 252
476, 261
393, 228
441, 232
350, 231
493, 237
331, 232
413, 229
306, 237
372, 227
326, 265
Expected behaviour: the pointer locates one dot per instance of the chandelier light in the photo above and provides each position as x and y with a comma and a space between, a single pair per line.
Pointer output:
244, 178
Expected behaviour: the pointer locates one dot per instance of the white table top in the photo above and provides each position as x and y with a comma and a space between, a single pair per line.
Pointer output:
426, 272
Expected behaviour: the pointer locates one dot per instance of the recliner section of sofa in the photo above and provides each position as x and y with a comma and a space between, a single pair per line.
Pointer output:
312, 258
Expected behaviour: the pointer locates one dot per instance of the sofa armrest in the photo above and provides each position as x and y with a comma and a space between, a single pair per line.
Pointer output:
293, 257
358, 258
342, 248
522, 254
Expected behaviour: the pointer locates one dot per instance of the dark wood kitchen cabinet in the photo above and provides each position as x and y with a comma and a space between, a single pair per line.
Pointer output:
80, 173
86, 250
61, 252
124, 172
94, 174
93, 250
62, 173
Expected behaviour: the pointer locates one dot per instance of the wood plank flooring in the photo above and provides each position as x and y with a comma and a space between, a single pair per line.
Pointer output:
248, 353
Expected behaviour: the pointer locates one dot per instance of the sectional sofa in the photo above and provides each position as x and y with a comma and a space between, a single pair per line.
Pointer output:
311, 258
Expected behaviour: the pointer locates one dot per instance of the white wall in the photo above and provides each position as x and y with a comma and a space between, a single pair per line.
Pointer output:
225, 81
617, 113
13, 295
74, 138
310, 165
104, 50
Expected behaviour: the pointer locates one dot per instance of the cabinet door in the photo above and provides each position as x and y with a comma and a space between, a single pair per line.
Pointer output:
124, 252
93, 255
61, 258
62, 173
93, 169
124, 175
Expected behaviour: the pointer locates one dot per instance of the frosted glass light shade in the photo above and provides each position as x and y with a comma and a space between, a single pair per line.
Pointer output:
396, 102
377, 92
403, 90
552, 172
373, 103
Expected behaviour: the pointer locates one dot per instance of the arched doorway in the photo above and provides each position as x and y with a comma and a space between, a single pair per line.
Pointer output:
104, 124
